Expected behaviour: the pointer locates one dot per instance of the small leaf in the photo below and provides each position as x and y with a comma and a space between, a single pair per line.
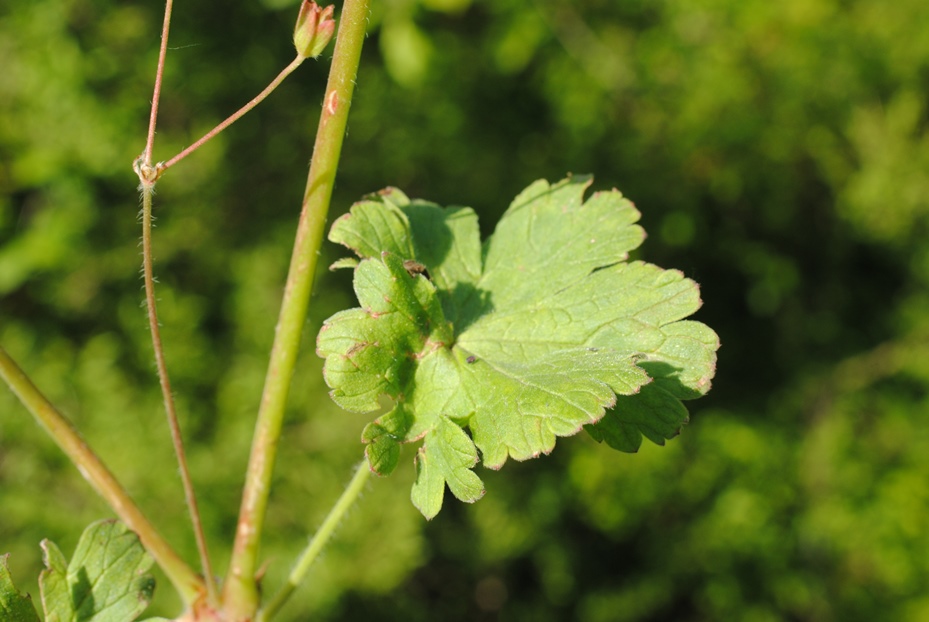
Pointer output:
53, 584
446, 457
375, 226
345, 262
383, 448
106, 581
14, 605
542, 330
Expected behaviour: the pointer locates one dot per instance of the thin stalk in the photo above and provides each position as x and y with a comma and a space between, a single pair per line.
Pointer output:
319, 540
240, 593
148, 175
186, 582
159, 75
165, 381
289, 69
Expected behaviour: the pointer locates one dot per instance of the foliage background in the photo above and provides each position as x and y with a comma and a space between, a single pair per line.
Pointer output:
779, 155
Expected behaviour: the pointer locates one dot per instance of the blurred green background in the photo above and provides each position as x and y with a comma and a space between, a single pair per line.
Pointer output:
778, 151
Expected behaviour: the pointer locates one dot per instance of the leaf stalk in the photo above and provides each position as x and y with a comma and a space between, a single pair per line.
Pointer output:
159, 78
289, 69
188, 584
318, 542
177, 438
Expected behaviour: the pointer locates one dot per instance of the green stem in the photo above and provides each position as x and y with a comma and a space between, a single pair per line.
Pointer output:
319, 540
240, 592
188, 584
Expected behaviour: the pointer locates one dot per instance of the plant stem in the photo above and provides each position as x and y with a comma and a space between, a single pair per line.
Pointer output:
240, 594
147, 176
309, 555
289, 69
188, 584
170, 410
159, 74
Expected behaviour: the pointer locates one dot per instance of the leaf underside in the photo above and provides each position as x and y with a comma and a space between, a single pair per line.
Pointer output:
540, 331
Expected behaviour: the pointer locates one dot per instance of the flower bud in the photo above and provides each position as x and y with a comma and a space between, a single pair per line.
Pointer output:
314, 29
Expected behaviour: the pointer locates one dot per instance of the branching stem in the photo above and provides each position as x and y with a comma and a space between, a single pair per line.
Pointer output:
240, 594
147, 176
289, 69
188, 584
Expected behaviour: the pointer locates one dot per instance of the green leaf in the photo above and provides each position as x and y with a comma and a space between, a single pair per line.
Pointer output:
14, 605
446, 457
401, 320
542, 330
681, 368
106, 581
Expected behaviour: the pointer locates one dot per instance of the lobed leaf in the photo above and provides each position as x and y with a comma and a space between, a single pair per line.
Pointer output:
542, 330
14, 605
446, 457
107, 580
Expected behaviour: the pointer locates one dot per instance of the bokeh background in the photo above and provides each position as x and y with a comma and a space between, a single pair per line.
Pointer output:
778, 152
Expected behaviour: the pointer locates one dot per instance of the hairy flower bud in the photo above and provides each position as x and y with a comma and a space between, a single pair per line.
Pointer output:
314, 29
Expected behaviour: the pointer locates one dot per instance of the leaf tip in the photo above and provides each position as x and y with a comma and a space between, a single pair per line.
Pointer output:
344, 262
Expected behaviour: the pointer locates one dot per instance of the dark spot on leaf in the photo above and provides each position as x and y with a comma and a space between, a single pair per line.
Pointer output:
358, 346
414, 268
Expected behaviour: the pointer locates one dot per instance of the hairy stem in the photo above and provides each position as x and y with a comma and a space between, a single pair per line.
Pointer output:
319, 540
188, 584
165, 381
289, 69
147, 176
240, 595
